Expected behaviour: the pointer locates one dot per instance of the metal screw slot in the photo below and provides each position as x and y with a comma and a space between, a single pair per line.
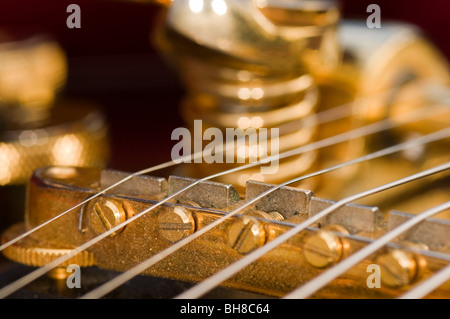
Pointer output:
105, 215
176, 224
246, 234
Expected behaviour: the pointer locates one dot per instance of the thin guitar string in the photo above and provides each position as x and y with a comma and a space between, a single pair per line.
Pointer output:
356, 133
333, 114
326, 277
213, 281
425, 287
124, 277
330, 115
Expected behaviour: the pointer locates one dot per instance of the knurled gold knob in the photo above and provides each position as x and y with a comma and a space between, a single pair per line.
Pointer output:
28, 251
32, 71
75, 135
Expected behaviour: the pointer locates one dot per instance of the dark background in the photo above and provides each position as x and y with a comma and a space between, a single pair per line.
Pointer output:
112, 62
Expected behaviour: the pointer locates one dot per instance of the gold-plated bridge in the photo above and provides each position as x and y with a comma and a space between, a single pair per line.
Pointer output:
54, 190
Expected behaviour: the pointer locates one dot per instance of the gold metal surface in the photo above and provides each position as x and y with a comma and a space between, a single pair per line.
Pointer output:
399, 268
325, 247
176, 224
255, 78
32, 71
74, 135
105, 214
246, 234
275, 274
267, 66
31, 252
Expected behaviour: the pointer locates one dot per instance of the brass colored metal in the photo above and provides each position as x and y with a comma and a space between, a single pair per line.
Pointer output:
276, 216
175, 224
61, 172
261, 214
255, 78
59, 273
53, 190
31, 252
80, 141
246, 234
38, 127
398, 268
324, 248
247, 64
32, 71
106, 214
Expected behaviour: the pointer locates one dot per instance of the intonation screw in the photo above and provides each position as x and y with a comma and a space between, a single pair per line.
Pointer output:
105, 215
324, 247
261, 214
246, 234
176, 224
276, 216
400, 268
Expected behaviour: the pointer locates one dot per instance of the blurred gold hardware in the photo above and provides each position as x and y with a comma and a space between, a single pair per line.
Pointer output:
257, 77
59, 273
277, 72
80, 141
276, 216
32, 71
242, 74
261, 214
37, 128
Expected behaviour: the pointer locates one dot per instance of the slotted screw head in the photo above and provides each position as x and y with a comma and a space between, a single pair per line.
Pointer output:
106, 214
246, 234
398, 268
322, 249
176, 224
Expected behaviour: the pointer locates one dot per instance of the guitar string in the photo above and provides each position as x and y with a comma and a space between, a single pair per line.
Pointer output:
124, 277
213, 281
323, 117
425, 287
356, 133
327, 276
333, 114
36, 228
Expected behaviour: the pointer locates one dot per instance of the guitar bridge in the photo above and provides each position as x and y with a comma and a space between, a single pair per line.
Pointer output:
57, 189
